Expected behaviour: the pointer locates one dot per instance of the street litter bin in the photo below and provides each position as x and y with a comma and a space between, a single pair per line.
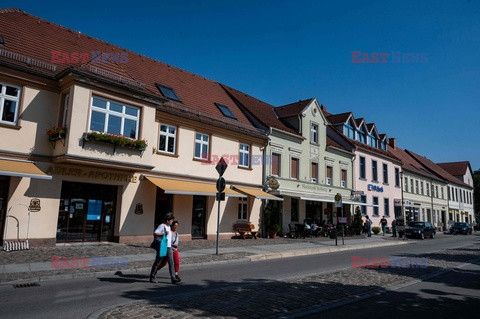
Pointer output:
333, 234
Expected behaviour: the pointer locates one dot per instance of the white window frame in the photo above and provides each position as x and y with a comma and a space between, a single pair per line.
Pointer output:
65, 109
202, 143
244, 151
168, 136
314, 133
109, 113
343, 182
16, 99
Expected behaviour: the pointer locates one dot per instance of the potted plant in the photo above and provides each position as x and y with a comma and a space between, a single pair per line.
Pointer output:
275, 229
56, 133
376, 230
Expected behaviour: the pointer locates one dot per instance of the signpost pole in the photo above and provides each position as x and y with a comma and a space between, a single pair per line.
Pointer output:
221, 167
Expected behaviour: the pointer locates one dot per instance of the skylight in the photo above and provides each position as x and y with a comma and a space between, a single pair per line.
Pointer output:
225, 111
168, 92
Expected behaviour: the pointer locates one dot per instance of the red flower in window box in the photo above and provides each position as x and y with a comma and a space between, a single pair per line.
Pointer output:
56, 133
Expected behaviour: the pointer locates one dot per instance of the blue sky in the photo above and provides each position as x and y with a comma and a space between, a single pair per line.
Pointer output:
284, 51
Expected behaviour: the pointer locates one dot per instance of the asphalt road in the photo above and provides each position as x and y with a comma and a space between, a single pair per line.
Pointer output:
77, 298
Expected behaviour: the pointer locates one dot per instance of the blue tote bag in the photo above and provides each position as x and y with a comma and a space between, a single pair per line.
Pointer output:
162, 252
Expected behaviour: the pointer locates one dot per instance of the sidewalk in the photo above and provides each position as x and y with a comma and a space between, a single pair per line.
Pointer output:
103, 258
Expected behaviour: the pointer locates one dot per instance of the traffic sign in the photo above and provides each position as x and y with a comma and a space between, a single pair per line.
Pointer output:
221, 166
338, 200
221, 184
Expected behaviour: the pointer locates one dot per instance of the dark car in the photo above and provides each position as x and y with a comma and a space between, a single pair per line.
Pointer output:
420, 230
461, 228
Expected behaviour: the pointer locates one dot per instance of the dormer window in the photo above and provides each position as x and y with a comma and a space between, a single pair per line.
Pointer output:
348, 131
384, 145
168, 92
225, 111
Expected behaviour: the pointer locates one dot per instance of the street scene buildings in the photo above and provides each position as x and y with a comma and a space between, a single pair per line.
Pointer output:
100, 148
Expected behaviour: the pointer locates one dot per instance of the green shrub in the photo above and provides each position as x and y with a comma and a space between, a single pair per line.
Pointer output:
376, 230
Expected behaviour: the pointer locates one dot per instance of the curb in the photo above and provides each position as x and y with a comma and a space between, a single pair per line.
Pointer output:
323, 250
253, 258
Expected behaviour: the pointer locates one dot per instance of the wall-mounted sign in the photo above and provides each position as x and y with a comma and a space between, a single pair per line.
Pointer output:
342, 220
91, 174
139, 209
35, 205
375, 188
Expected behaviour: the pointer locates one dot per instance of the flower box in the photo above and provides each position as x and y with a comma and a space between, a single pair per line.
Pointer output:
115, 140
56, 133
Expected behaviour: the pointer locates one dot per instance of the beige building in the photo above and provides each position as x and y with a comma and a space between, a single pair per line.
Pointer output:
101, 151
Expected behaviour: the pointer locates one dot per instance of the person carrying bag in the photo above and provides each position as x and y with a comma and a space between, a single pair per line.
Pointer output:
163, 235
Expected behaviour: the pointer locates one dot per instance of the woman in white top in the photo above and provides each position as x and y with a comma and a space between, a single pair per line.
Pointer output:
176, 255
159, 232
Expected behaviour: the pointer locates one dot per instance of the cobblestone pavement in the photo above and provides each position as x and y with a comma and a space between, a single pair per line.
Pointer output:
292, 297
43, 254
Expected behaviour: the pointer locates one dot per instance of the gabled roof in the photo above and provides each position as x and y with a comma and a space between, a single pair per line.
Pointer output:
263, 112
382, 136
292, 109
372, 128
359, 122
410, 164
28, 36
437, 170
341, 118
456, 168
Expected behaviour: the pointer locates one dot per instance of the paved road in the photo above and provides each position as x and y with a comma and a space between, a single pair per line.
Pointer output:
80, 297
455, 294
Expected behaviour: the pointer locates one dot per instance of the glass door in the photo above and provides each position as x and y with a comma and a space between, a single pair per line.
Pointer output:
198, 216
87, 212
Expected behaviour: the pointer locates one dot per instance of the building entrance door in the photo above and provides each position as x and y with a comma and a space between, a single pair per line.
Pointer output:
4, 181
86, 213
198, 216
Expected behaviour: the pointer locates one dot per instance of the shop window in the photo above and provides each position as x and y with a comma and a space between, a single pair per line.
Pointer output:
114, 117
9, 103
294, 210
363, 199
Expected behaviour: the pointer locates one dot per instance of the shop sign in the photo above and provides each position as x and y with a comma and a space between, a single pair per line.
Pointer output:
34, 205
342, 220
375, 188
315, 188
92, 174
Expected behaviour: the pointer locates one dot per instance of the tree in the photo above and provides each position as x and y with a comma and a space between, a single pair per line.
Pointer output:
476, 193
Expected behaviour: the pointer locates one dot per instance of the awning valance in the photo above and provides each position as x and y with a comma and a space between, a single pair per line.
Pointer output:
258, 193
181, 187
318, 199
21, 169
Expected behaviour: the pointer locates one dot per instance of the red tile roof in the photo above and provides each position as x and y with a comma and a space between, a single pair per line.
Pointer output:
456, 168
410, 164
437, 170
292, 109
28, 36
339, 118
263, 112
359, 121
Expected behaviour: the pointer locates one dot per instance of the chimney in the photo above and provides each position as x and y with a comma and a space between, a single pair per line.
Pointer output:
392, 142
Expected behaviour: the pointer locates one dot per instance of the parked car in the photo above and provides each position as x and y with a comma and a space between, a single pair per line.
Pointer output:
420, 230
461, 228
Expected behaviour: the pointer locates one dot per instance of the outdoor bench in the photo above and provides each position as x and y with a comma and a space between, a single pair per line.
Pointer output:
245, 230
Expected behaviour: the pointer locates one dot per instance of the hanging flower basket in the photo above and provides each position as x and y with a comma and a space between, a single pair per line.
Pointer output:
56, 133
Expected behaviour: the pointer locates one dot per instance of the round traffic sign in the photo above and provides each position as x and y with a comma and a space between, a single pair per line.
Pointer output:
221, 184
338, 197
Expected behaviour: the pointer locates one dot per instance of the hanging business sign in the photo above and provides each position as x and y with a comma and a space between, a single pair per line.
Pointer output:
34, 205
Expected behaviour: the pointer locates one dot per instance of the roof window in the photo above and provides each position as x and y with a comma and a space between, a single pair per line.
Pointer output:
226, 111
168, 92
